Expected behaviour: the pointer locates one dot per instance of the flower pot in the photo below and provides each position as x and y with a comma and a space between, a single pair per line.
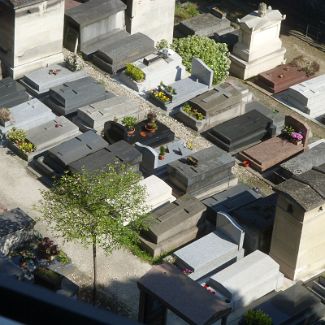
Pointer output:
149, 129
246, 163
297, 142
131, 132
161, 157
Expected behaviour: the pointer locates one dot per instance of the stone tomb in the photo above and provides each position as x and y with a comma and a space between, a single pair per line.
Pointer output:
120, 151
259, 47
56, 160
165, 66
174, 225
27, 116
217, 105
151, 164
94, 116
248, 279
204, 173
67, 98
257, 219
241, 131
213, 251
39, 82
16, 227
114, 131
11, 93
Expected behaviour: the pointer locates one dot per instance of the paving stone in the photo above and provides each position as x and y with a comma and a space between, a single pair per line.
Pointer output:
11, 93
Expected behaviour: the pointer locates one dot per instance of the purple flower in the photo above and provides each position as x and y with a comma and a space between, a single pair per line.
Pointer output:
297, 136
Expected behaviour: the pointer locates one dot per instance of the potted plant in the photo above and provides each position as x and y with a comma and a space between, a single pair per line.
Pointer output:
73, 62
129, 122
256, 317
4, 116
134, 72
18, 137
151, 124
296, 138
286, 131
160, 96
162, 152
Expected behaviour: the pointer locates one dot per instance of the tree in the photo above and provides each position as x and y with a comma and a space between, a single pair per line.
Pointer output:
106, 208
214, 55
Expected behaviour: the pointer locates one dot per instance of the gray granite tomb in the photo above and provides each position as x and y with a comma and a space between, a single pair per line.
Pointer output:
11, 93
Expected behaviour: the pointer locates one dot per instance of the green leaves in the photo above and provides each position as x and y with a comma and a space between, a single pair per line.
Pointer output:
215, 55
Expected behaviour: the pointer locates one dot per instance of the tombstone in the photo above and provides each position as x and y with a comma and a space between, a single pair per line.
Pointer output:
67, 98
11, 93
300, 208
16, 228
257, 219
205, 25
39, 82
199, 82
164, 66
115, 132
46, 136
115, 54
89, 22
308, 96
217, 105
27, 116
259, 47
25, 28
158, 192
173, 225
241, 131
120, 151
55, 161
152, 164
213, 251
94, 116
248, 279
204, 173
229, 200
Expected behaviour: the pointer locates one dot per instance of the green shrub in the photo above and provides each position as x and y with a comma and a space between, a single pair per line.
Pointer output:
214, 55
134, 72
187, 108
162, 44
186, 10
18, 136
255, 317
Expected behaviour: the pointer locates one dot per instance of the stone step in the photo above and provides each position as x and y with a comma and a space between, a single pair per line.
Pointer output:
319, 288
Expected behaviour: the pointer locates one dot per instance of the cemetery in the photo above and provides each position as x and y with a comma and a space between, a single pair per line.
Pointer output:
11, 93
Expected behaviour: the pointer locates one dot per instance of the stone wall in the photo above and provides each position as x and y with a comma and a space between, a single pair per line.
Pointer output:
7, 34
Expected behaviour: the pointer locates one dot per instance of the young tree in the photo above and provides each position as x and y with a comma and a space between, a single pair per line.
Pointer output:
106, 208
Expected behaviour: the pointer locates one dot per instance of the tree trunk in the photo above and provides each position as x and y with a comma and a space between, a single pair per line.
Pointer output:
94, 269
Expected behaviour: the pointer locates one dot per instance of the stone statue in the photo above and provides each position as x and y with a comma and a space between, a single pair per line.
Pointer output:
262, 9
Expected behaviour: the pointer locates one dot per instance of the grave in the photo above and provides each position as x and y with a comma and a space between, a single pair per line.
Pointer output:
259, 47
213, 251
204, 173
46, 136
217, 105
16, 228
27, 116
257, 219
67, 98
305, 161
241, 131
25, 28
173, 225
273, 151
300, 208
11, 93
39, 82
248, 279
164, 66
308, 96
114, 131
122, 49
55, 161
281, 77
229, 200
152, 164
205, 25
183, 90
94, 116
158, 192
120, 151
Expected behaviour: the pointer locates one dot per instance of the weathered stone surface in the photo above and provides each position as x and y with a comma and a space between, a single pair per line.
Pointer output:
213, 169
39, 82
248, 279
27, 116
241, 131
120, 151
9, 268
214, 250
67, 98
11, 93
15, 228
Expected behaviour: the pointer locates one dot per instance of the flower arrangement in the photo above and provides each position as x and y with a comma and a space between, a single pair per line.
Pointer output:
4, 114
296, 136
187, 108
160, 95
73, 62
129, 122
292, 135
18, 136
165, 88
187, 271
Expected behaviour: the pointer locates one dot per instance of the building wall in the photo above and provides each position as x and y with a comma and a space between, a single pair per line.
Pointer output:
154, 18
6, 34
